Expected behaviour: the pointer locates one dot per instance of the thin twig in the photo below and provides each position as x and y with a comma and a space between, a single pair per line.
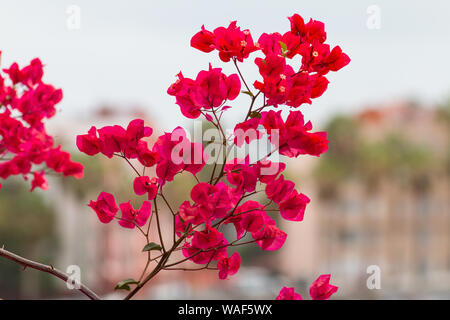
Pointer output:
45, 268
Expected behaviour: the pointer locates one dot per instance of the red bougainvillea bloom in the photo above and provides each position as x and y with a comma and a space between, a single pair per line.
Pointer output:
204, 40
247, 132
209, 90
321, 289
177, 153
288, 294
281, 83
269, 170
131, 217
25, 101
206, 246
89, 143
279, 189
144, 185
231, 42
270, 237
228, 193
229, 266
249, 216
293, 137
110, 140
39, 180
242, 174
293, 206
59, 161
105, 207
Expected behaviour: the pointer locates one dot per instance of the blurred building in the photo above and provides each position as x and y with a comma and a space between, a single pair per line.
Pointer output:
381, 196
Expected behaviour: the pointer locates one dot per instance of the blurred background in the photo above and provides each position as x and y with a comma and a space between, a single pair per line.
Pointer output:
380, 196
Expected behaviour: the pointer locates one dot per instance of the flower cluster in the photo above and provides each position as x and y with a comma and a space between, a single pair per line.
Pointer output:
210, 89
25, 146
231, 196
320, 289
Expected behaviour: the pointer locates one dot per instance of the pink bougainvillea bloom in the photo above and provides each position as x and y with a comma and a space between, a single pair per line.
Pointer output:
293, 136
242, 174
105, 207
182, 226
279, 189
229, 266
270, 237
112, 138
321, 289
270, 170
136, 130
320, 86
131, 217
145, 156
247, 132
293, 207
144, 185
249, 216
232, 42
59, 161
193, 213
210, 89
203, 40
288, 294
39, 180
89, 143
206, 246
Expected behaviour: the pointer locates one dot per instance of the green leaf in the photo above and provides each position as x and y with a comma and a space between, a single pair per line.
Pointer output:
125, 284
152, 246
248, 92
283, 46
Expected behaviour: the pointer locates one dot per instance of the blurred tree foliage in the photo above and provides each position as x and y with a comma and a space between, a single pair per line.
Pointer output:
27, 227
392, 155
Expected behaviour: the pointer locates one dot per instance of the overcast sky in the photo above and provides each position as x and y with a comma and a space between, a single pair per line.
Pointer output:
128, 52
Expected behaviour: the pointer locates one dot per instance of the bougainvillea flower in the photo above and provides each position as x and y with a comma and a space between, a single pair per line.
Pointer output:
210, 89
89, 143
131, 217
249, 216
279, 189
112, 138
182, 226
231, 42
293, 207
270, 170
247, 132
204, 40
253, 216
105, 207
293, 136
270, 237
242, 174
177, 153
144, 185
321, 289
39, 180
145, 156
213, 87
59, 161
212, 202
288, 294
136, 130
206, 246
229, 266
191, 213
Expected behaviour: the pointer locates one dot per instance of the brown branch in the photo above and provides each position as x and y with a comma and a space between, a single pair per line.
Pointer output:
45, 268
